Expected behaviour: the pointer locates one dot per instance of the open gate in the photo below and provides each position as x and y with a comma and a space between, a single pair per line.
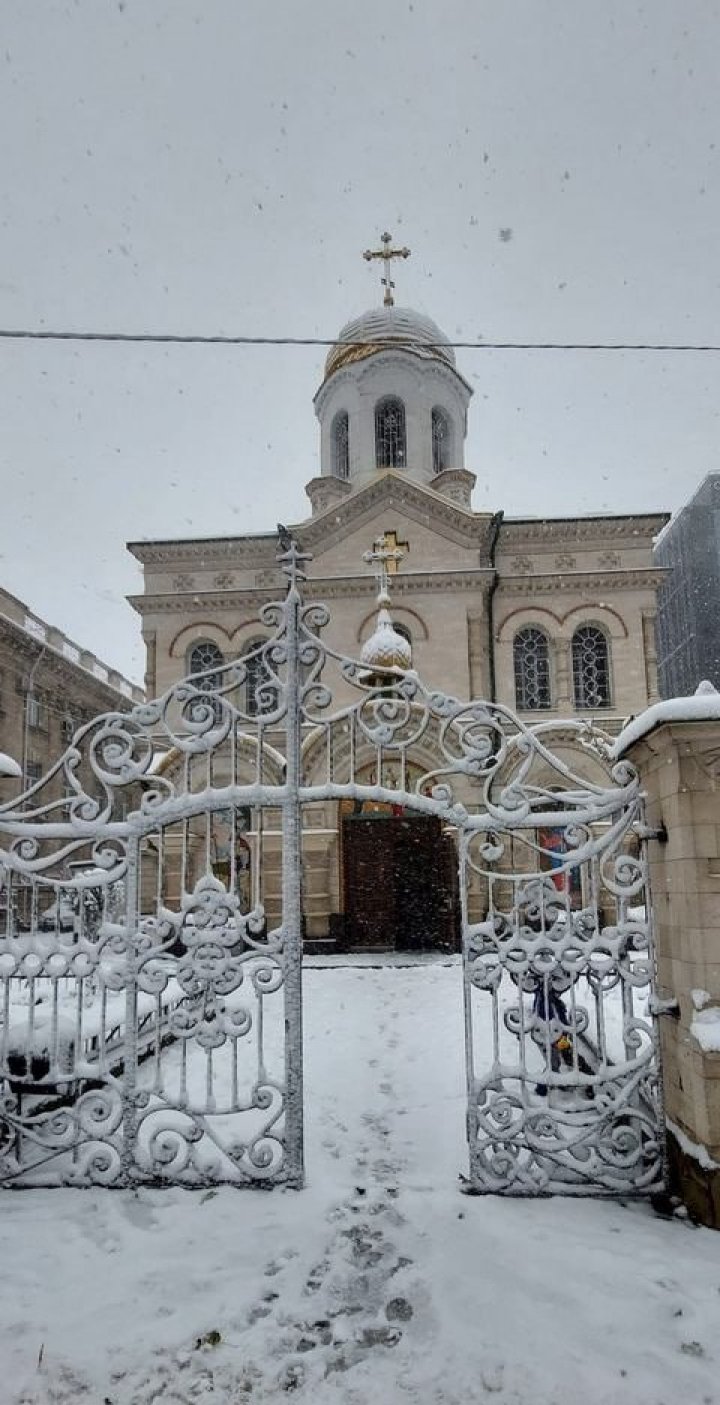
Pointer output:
151, 1025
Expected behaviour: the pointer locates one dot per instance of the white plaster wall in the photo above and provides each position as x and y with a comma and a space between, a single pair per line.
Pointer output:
420, 383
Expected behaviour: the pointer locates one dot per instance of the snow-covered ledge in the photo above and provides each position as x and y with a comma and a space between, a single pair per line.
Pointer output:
701, 706
675, 746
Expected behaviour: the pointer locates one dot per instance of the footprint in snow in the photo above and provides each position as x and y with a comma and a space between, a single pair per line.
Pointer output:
278, 1264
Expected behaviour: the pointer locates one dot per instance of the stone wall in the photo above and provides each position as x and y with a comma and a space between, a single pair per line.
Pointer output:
679, 764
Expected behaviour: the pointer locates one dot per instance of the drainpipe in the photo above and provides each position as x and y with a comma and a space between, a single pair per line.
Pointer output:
30, 679
495, 526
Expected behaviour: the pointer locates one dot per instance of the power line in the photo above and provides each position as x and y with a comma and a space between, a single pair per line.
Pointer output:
195, 339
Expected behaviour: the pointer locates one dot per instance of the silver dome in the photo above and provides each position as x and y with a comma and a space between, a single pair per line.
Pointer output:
389, 326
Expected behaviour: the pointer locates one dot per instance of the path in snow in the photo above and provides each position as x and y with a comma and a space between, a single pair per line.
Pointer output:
380, 1282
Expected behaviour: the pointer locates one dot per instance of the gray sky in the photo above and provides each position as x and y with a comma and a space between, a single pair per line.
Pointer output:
218, 166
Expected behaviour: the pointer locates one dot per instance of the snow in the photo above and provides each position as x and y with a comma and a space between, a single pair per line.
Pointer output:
705, 1027
380, 1282
702, 706
698, 1152
700, 998
9, 767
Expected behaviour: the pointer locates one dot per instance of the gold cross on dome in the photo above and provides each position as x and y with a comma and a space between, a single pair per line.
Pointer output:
386, 555
386, 254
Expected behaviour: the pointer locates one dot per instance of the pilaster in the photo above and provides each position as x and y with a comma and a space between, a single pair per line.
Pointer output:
679, 765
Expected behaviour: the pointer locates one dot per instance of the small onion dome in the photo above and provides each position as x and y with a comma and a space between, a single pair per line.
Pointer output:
385, 328
385, 648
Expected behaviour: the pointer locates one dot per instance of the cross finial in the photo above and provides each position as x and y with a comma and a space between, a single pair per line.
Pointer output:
291, 557
386, 555
386, 254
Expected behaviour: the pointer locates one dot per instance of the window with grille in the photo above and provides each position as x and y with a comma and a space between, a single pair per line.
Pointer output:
203, 656
34, 712
341, 445
390, 448
591, 667
440, 441
258, 701
531, 658
33, 772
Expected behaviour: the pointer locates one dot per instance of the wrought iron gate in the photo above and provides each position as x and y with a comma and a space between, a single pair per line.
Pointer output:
151, 1026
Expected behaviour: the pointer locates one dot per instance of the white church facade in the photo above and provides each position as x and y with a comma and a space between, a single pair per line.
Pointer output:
554, 618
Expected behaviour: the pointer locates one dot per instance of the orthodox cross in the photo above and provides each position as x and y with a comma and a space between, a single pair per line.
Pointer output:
386, 254
386, 555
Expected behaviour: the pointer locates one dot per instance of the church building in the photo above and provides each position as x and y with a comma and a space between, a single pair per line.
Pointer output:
552, 617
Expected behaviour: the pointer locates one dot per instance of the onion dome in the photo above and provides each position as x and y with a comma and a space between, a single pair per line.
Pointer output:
383, 328
386, 648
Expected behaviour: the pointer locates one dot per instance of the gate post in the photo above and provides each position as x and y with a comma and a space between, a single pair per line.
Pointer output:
129, 1070
676, 749
292, 884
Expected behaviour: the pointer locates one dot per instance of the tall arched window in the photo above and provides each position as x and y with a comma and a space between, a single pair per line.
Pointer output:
257, 677
531, 659
390, 448
341, 445
440, 441
591, 667
203, 656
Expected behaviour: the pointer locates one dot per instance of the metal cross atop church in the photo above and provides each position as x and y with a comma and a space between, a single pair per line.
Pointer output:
386, 254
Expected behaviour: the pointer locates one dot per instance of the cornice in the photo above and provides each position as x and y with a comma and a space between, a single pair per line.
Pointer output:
198, 601
519, 532
554, 582
316, 588
239, 551
403, 584
454, 475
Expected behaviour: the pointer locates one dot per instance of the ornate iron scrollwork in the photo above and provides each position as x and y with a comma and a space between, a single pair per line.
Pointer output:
151, 1019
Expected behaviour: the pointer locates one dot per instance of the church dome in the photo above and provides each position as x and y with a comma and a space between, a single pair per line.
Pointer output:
386, 327
386, 648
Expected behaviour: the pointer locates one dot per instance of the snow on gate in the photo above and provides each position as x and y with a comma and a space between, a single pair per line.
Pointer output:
151, 1025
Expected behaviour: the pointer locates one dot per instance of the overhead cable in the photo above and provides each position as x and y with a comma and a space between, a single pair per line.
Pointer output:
218, 339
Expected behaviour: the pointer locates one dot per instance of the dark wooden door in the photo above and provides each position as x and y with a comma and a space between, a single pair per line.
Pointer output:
396, 890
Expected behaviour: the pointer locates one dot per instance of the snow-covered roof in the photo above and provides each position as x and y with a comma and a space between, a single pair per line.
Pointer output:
702, 706
396, 326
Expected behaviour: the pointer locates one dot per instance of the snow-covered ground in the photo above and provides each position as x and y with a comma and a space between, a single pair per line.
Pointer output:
380, 1282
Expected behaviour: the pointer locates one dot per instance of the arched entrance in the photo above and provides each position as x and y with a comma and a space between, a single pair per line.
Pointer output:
399, 879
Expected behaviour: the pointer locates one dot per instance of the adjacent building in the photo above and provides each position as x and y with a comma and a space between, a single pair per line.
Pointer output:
49, 685
688, 628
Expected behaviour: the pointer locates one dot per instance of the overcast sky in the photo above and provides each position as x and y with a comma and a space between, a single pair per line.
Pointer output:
203, 166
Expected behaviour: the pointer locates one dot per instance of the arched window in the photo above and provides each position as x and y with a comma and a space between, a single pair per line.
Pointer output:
257, 677
440, 441
531, 659
390, 449
341, 445
203, 656
591, 667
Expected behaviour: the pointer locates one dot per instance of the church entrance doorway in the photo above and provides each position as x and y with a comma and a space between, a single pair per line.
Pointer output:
400, 884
